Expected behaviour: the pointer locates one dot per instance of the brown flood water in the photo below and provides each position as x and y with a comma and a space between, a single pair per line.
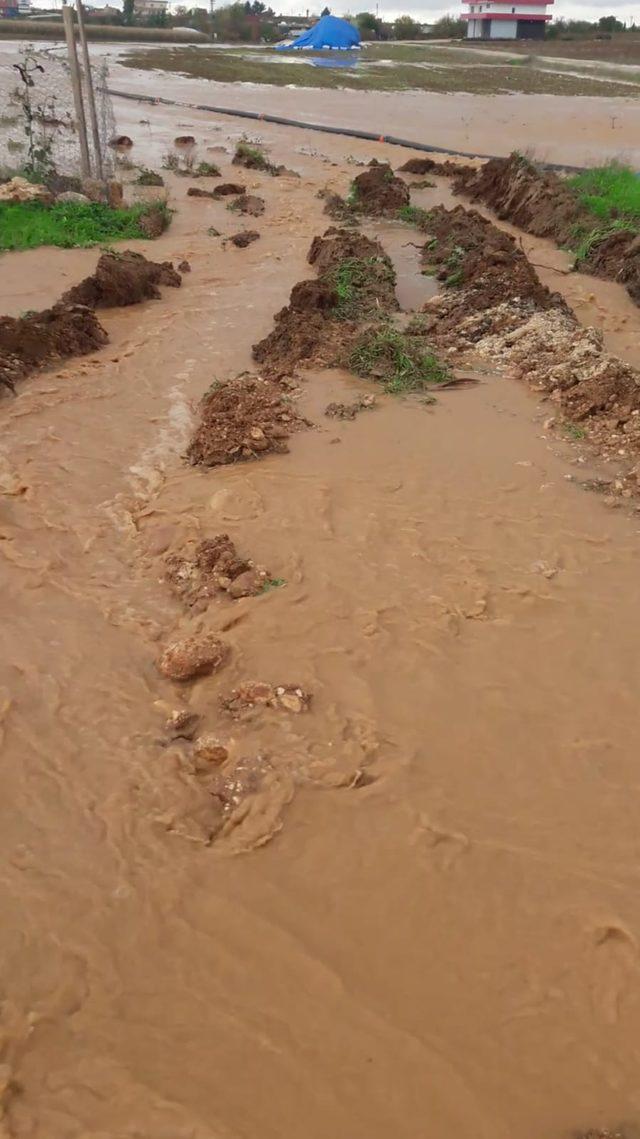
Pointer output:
449, 947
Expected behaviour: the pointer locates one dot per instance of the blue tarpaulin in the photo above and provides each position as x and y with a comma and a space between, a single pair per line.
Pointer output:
329, 32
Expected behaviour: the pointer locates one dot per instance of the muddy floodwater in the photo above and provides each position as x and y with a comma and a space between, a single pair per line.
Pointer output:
426, 922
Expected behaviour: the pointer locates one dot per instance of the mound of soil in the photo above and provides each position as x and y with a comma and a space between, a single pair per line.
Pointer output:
197, 192
242, 419
537, 201
29, 342
253, 159
357, 282
154, 221
121, 279
244, 238
379, 192
248, 204
617, 258
472, 255
429, 166
215, 566
227, 189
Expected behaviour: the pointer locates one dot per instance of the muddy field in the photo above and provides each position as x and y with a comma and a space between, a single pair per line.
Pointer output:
318, 691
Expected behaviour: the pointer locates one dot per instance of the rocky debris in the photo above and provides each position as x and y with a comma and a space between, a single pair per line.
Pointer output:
29, 342
481, 265
194, 656
97, 190
121, 279
214, 567
256, 694
20, 190
228, 190
240, 780
350, 410
182, 724
249, 204
121, 142
378, 191
617, 258
208, 752
244, 238
242, 419
74, 197
184, 267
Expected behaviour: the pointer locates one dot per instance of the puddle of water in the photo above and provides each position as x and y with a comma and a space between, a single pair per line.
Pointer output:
403, 244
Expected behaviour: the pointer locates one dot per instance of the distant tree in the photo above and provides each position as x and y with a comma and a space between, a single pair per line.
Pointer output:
406, 28
158, 20
449, 28
368, 25
127, 12
610, 24
326, 12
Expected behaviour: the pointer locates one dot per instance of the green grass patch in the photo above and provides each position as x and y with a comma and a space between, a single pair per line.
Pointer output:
585, 240
26, 225
396, 359
273, 583
574, 431
414, 215
361, 286
610, 193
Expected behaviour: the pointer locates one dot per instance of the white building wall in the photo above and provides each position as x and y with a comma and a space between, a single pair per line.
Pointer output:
521, 10
504, 29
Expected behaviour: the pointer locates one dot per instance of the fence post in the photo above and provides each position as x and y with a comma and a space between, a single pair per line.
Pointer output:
69, 31
88, 81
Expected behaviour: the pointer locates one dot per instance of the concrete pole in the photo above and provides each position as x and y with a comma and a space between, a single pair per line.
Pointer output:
69, 31
88, 82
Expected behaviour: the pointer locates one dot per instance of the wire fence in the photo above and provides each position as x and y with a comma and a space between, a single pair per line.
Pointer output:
38, 129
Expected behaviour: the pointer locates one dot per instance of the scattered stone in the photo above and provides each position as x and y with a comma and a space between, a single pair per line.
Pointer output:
184, 267
193, 656
184, 140
215, 567
72, 196
20, 190
350, 410
244, 238
255, 694
244, 778
208, 752
213, 232
182, 724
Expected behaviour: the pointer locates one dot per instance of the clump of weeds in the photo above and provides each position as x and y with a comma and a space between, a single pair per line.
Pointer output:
398, 360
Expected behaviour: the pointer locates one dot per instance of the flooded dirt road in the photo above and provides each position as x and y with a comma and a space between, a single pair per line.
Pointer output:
426, 921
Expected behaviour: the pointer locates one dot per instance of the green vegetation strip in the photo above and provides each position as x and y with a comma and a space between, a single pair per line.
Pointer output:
398, 360
26, 225
610, 193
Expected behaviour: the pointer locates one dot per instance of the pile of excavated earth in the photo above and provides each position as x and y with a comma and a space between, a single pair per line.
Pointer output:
71, 327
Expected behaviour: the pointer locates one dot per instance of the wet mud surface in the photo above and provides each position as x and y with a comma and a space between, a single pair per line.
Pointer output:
420, 740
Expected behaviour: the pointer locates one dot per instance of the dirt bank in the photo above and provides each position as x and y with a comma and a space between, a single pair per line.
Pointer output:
29, 342
122, 278
539, 202
242, 419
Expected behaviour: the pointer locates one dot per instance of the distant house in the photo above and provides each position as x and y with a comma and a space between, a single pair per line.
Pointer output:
11, 9
145, 8
494, 20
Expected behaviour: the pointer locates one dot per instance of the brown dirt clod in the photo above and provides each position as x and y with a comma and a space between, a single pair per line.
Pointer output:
242, 419
228, 189
244, 238
121, 279
249, 204
379, 191
194, 656
257, 694
214, 566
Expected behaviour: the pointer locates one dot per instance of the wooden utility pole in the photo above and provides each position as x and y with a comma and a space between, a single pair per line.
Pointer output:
69, 31
88, 82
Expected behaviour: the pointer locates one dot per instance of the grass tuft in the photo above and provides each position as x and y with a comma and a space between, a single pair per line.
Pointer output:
356, 283
399, 361
27, 225
610, 193
414, 215
149, 178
